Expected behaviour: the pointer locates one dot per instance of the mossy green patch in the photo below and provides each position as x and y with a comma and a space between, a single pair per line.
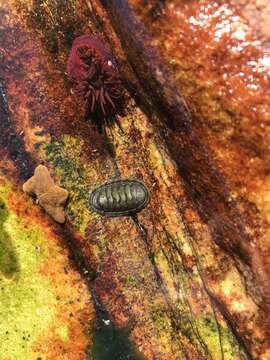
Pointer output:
27, 299
218, 341
213, 338
161, 319
9, 266
64, 155
76, 176
54, 21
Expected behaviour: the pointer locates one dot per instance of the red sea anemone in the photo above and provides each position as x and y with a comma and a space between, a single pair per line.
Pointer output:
93, 72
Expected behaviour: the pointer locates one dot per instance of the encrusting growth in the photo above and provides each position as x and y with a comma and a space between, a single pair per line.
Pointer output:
52, 198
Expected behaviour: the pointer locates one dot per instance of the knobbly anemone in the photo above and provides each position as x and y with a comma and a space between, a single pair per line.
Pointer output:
95, 78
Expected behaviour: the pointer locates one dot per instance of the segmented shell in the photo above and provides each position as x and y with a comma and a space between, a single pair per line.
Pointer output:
119, 198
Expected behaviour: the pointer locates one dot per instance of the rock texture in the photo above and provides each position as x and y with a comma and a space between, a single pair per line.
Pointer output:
188, 278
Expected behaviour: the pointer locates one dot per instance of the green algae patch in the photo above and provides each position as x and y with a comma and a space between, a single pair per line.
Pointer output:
77, 177
9, 266
27, 299
55, 22
64, 155
219, 341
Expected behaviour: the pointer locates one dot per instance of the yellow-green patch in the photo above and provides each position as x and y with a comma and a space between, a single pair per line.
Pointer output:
220, 341
65, 158
63, 333
26, 297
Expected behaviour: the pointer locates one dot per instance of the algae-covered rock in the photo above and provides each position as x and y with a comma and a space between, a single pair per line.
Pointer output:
190, 273
44, 302
9, 266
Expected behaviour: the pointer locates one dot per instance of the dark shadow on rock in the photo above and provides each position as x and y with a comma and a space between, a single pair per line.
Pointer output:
9, 266
110, 343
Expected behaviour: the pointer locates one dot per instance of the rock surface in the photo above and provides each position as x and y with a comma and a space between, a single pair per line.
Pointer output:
187, 279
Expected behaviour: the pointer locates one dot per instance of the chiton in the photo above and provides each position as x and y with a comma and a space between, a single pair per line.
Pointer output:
119, 198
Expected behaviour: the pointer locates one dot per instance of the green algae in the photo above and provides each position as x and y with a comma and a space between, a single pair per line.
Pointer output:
213, 337
26, 302
64, 155
218, 339
9, 266
161, 319
55, 22
220, 342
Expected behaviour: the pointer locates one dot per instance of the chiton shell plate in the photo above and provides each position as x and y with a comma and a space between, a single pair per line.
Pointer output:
119, 198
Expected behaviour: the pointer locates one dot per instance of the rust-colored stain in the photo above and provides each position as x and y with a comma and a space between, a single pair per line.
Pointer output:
223, 70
